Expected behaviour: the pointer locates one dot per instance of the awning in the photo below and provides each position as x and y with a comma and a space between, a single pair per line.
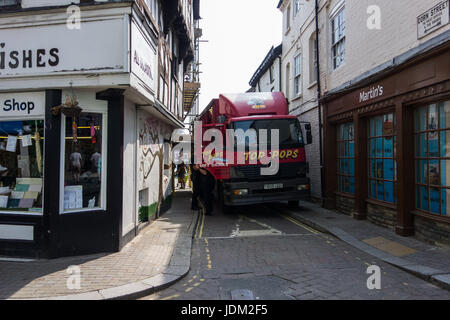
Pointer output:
190, 93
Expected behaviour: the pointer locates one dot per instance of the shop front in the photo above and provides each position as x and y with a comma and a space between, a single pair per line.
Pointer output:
57, 174
392, 132
83, 140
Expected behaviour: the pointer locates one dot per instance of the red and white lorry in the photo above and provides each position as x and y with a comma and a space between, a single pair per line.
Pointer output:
237, 167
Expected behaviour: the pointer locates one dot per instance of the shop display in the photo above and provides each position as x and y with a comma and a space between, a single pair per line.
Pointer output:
83, 165
21, 165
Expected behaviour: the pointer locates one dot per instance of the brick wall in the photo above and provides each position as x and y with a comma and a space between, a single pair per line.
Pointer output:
313, 151
345, 205
382, 216
431, 231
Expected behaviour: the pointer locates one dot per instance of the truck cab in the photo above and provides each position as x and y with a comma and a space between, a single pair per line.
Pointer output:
252, 117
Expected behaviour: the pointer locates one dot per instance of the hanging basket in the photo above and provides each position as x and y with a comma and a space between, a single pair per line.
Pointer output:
70, 111
70, 108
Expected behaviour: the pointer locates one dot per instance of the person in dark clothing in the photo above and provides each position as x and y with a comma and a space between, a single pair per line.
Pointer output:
181, 172
206, 187
195, 175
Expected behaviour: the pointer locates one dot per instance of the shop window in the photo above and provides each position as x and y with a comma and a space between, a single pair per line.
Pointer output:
84, 162
21, 166
382, 158
432, 158
346, 158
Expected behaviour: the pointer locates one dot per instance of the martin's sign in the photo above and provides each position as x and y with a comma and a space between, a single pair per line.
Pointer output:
372, 93
22, 105
433, 19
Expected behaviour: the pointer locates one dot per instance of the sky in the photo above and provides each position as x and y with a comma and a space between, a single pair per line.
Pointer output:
240, 33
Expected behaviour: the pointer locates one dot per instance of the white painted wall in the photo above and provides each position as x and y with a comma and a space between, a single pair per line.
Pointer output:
265, 84
297, 40
148, 176
129, 168
366, 49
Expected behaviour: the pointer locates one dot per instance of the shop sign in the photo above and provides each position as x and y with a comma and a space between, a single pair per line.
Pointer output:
98, 46
143, 62
370, 94
433, 19
22, 105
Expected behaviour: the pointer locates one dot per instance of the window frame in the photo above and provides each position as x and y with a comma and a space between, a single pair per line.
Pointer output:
29, 213
417, 132
288, 18
16, 4
335, 45
383, 158
298, 75
296, 7
103, 185
339, 157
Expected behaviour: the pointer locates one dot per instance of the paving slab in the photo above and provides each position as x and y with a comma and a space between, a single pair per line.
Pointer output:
157, 257
426, 261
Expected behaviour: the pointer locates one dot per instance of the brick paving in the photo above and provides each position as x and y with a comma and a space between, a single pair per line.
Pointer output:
296, 264
426, 256
145, 256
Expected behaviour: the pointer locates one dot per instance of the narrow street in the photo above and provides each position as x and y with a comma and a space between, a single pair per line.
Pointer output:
259, 252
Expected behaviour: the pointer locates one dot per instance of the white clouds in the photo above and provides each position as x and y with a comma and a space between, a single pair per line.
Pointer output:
240, 33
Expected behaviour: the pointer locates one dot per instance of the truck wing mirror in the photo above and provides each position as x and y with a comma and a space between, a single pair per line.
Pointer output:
309, 139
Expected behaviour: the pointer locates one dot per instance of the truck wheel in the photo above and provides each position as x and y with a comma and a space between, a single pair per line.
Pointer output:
293, 204
225, 208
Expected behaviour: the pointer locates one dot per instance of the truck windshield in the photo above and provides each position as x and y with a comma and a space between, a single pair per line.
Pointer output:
289, 130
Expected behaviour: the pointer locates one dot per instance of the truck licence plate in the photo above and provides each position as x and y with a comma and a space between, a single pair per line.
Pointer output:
273, 186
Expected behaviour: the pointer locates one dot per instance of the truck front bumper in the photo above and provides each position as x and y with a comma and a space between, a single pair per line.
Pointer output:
257, 193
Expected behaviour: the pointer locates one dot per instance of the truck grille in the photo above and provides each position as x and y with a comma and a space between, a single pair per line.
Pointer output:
285, 170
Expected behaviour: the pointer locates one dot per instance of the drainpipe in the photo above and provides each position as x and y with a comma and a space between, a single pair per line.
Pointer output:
318, 99
279, 74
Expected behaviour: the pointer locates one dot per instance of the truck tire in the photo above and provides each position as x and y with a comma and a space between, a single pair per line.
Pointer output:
225, 208
293, 204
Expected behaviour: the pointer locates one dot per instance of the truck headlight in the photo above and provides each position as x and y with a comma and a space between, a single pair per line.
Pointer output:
240, 192
303, 187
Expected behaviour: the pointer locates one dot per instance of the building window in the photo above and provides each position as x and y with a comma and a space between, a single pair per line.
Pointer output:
338, 39
298, 75
382, 158
432, 157
5, 3
271, 72
84, 162
346, 158
288, 18
296, 7
21, 166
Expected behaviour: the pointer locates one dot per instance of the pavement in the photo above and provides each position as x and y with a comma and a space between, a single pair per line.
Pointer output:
431, 263
161, 255
158, 257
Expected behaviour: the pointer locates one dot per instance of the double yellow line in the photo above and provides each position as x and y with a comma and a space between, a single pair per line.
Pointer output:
294, 221
200, 224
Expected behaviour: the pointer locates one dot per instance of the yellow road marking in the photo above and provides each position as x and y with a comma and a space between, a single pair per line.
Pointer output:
171, 297
188, 289
299, 224
201, 227
196, 284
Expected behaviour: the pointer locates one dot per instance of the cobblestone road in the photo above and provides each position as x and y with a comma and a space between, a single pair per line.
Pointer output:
276, 257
